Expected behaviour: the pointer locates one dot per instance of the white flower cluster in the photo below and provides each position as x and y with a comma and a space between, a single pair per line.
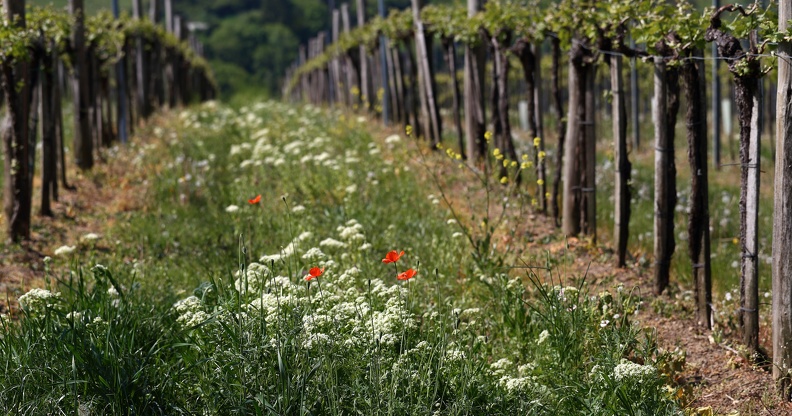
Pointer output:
628, 371
190, 311
253, 280
37, 300
64, 250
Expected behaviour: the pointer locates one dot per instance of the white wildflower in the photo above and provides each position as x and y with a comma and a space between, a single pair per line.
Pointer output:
630, 371
298, 209
89, 237
232, 208
332, 243
543, 337
37, 299
64, 250
314, 254
455, 355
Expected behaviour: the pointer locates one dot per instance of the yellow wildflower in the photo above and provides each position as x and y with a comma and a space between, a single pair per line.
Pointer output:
542, 155
537, 141
505, 163
513, 163
488, 135
408, 130
504, 180
540, 182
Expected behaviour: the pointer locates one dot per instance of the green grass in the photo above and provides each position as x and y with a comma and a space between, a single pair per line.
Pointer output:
201, 308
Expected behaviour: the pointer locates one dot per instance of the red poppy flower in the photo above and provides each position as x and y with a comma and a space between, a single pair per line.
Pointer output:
255, 200
406, 275
392, 257
314, 273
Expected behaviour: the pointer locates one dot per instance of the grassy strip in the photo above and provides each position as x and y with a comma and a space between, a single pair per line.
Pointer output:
203, 306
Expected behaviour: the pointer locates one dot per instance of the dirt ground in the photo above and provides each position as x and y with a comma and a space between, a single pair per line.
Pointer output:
716, 374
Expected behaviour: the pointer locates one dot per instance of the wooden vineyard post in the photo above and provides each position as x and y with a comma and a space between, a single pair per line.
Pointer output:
57, 101
426, 86
17, 192
83, 145
474, 94
422, 127
575, 115
782, 213
500, 101
555, 89
698, 222
450, 57
621, 203
349, 65
335, 68
541, 168
176, 60
304, 89
664, 203
634, 105
365, 72
395, 81
168, 58
750, 256
588, 184
141, 66
156, 89
49, 161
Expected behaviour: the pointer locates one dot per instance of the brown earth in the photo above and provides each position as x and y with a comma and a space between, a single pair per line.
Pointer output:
90, 205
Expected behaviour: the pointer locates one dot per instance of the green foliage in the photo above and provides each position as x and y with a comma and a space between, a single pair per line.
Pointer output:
47, 27
213, 315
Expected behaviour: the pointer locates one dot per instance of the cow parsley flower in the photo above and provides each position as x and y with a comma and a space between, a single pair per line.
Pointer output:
64, 250
629, 371
331, 243
38, 299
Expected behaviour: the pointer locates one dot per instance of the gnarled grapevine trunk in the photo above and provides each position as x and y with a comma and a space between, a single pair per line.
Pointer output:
17, 174
747, 73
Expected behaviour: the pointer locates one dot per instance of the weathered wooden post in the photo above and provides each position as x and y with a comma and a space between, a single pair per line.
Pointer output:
782, 213
83, 145
142, 66
621, 202
365, 75
664, 175
474, 94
